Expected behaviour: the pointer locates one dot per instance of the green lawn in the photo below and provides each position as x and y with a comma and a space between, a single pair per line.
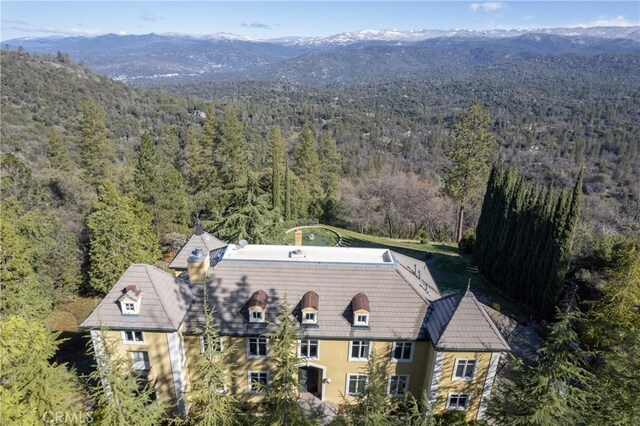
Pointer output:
451, 271
314, 237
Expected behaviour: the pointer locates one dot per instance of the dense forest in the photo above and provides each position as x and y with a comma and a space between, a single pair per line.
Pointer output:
97, 174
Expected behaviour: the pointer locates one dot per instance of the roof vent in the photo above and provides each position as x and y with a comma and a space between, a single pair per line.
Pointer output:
242, 243
297, 254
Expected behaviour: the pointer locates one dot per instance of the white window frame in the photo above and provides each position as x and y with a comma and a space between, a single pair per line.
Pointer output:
348, 381
266, 355
457, 407
134, 341
252, 318
249, 382
403, 343
465, 361
406, 384
127, 310
221, 346
351, 344
357, 320
314, 320
144, 358
300, 344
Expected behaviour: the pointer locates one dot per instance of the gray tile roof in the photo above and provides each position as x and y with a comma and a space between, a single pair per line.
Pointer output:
417, 273
164, 303
198, 240
460, 322
397, 308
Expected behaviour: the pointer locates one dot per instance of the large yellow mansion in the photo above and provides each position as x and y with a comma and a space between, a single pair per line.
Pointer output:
347, 302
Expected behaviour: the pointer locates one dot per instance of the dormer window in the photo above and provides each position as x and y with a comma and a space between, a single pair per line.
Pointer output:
258, 306
130, 300
361, 310
309, 305
362, 319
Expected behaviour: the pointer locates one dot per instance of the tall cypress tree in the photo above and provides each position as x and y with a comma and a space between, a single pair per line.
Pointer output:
287, 193
307, 168
232, 155
277, 162
146, 173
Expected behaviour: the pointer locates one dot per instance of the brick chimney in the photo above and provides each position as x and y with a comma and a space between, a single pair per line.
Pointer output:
198, 262
298, 237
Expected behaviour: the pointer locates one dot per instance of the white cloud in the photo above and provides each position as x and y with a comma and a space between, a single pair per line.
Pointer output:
56, 31
487, 6
528, 17
151, 17
603, 21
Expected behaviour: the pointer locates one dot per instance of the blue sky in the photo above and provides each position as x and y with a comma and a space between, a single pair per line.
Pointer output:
267, 19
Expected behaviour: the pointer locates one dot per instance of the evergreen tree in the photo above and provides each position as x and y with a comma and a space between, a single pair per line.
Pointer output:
32, 388
287, 193
307, 168
277, 162
282, 392
553, 391
330, 172
121, 398
613, 330
57, 152
146, 173
232, 155
97, 153
473, 149
417, 413
120, 233
212, 403
171, 207
247, 216
372, 407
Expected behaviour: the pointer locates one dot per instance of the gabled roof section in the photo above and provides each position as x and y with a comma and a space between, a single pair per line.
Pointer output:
164, 305
461, 322
200, 239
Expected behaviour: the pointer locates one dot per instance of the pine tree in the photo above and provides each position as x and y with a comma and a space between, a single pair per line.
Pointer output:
212, 403
32, 388
146, 173
121, 398
473, 149
120, 233
277, 162
97, 153
372, 407
57, 152
232, 155
330, 172
307, 168
417, 413
287, 193
554, 391
171, 208
613, 330
282, 392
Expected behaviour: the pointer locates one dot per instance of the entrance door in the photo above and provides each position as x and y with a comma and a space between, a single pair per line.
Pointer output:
309, 379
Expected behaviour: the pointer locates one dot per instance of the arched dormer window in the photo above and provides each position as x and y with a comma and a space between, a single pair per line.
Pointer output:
130, 300
310, 302
360, 306
258, 306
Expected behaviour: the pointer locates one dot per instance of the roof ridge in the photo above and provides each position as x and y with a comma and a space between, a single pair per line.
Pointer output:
453, 312
487, 318
160, 299
422, 295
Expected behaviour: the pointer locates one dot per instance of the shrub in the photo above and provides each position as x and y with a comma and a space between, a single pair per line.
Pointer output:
466, 243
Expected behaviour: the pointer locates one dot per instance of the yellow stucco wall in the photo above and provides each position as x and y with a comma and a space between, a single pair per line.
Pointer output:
472, 387
333, 356
157, 346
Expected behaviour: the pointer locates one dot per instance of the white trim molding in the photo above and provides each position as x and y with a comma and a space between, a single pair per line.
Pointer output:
406, 384
349, 376
325, 380
134, 341
249, 386
176, 356
435, 380
361, 344
411, 351
299, 349
488, 383
98, 350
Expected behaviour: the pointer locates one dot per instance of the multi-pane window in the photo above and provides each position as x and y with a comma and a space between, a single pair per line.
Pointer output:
130, 336
256, 316
356, 384
257, 347
258, 380
140, 361
309, 317
465, 369
458, 401
402, 351
362, 319
308, 348
398, 385
129, 308
359, 350
217, 344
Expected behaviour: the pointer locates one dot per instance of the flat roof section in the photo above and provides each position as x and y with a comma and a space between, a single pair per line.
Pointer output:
312, 254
